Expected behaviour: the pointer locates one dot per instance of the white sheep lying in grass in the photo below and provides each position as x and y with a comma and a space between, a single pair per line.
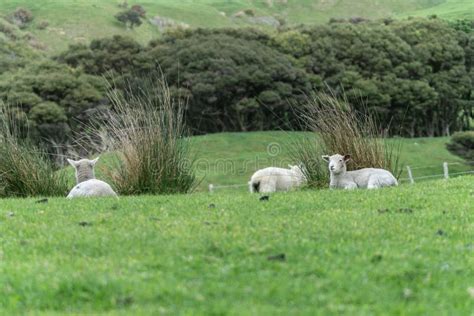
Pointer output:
370, 178
274, 179
87, 185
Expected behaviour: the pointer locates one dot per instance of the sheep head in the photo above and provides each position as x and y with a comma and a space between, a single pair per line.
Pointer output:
337, 163
84, 169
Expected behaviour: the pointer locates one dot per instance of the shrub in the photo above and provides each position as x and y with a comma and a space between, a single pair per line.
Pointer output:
22, 17
340, 129
129, 17
25, 170
249, 12
146, 128
42, 25
113, 56
139, 9
462, 145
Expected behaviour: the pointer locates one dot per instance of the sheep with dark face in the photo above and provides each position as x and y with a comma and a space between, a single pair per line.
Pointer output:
87, 185
368, 178
274, 179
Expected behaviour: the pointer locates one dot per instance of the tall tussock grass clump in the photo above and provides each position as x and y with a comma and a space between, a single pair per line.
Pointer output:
306, 150
25, 169
146, 129
342, 129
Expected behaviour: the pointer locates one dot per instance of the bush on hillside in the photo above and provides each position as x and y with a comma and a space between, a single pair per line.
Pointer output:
249, 12
129, 18
139, 9
22, 17
462, 145
42, 25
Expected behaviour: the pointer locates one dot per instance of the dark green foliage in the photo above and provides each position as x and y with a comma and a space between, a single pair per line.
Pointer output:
234, 83
436, 46
112, 57
464, 25
129, 17
50, 122
462, 145
414, 74
55, 98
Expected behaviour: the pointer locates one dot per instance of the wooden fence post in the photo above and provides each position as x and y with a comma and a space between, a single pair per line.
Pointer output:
445, 169
410, 175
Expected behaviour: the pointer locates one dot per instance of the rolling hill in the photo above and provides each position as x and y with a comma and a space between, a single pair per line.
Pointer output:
78, 21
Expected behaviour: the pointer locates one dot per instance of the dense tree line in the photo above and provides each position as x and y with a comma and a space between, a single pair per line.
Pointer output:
417, 75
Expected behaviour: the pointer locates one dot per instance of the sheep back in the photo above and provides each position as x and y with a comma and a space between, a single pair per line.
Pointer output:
274, 179
92, 188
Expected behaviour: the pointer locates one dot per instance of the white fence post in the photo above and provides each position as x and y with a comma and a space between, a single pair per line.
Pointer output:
211, 187
445, 169
410, 175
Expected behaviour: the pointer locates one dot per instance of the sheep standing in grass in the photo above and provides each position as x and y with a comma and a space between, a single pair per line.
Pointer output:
87, 185
274, 179
370, 178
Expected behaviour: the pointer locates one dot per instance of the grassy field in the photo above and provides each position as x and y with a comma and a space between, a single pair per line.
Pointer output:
231, 158
406, 250
79, 21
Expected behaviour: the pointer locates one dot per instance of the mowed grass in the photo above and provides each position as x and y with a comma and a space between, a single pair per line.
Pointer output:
406, 250
231, 158
79, 21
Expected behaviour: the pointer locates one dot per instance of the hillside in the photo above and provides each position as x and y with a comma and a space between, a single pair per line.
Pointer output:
405, 250
80, 21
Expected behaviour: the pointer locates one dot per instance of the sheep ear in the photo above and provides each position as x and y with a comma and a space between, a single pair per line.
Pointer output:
72, 162
325, 158
347, 157
93, 162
